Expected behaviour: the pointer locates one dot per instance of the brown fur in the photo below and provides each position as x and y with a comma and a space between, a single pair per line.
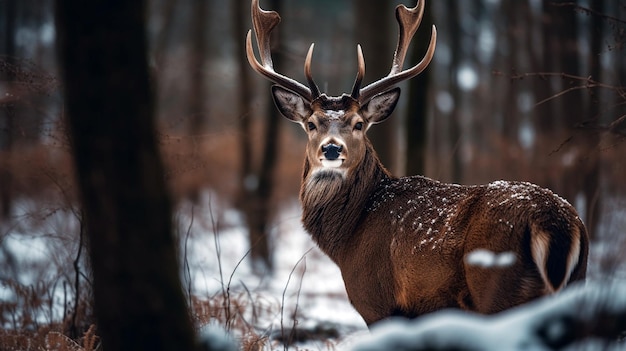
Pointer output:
401, 243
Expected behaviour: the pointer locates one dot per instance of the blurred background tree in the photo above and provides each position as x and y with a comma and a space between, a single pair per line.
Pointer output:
139, 301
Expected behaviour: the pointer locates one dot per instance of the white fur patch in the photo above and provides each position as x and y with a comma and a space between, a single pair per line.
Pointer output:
332, 163
572, 258
540, 244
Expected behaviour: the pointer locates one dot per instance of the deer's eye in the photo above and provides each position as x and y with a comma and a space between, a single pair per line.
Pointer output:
358, 126
311, 126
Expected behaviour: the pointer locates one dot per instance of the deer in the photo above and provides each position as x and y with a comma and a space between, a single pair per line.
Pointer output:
413, 245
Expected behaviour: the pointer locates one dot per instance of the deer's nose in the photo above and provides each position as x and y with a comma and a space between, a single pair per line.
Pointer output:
331, 151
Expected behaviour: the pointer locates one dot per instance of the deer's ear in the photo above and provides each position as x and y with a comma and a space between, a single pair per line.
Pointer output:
290, 104
381, 106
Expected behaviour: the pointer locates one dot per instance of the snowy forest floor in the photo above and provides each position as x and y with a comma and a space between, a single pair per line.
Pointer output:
302, 305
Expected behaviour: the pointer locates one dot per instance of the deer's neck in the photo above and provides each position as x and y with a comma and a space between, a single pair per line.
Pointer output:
333, 204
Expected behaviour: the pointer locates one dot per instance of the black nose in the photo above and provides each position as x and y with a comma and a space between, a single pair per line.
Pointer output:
331, 151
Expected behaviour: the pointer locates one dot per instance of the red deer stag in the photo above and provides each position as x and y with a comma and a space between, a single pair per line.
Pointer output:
413, 245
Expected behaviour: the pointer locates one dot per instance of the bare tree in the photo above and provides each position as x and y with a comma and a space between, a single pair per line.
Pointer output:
374, 24
559, 120
256, 176
7, 105
591, 178
139, 301
418, 103
454, 128
198, 94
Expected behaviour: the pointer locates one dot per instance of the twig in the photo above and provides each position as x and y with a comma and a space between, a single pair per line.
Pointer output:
255, 316
81, 234
587, 83
185, 258
230, 279
588, 11
295, 311
218, 253
563, 92
282, 305
566, 141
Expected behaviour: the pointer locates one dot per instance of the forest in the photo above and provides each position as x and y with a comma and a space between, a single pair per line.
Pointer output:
146, 175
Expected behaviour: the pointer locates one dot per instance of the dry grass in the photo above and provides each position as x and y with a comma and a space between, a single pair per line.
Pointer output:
59, 342
48, 338
238, 314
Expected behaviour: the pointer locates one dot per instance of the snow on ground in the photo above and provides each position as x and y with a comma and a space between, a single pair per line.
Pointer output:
305, 279
33, 245
42, 237
545, 324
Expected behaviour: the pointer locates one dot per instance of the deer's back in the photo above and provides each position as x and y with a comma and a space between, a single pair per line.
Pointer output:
420, 238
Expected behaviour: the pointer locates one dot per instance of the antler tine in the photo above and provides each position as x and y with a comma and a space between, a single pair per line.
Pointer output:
264, 22
315, 91
408, 22
356, 88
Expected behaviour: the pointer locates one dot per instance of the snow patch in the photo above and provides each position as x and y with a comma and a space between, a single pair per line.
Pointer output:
487, 259
539, 325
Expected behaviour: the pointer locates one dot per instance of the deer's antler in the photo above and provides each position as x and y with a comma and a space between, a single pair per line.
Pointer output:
408, 21
264, 22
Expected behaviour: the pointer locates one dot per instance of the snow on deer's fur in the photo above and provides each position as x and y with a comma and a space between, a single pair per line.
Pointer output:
402, 244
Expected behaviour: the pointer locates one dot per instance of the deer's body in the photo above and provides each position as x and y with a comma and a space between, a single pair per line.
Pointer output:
406, 255
409, 246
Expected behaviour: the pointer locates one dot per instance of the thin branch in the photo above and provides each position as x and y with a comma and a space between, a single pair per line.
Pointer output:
586, 83
590, 82
588, 11
218, 253
186, 259
565, 142
282, 305
230, 279
559, 94
74, 327
295, 311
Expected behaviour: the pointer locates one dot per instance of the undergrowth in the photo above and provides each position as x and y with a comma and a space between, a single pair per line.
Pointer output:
53, 310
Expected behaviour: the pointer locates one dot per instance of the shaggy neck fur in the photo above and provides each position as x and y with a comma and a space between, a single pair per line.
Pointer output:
333, 203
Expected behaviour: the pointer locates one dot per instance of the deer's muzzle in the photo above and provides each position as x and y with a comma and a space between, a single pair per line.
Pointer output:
332, 151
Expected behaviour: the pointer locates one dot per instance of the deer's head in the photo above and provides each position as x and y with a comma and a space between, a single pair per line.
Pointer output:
336, 125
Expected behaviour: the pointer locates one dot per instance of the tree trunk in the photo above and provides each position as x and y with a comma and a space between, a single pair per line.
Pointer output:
7, 109
162, 38
418, 102
241, 14
573, 163
373, 32
139, 301
591, 178
198, 96
454, 126
256, 182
